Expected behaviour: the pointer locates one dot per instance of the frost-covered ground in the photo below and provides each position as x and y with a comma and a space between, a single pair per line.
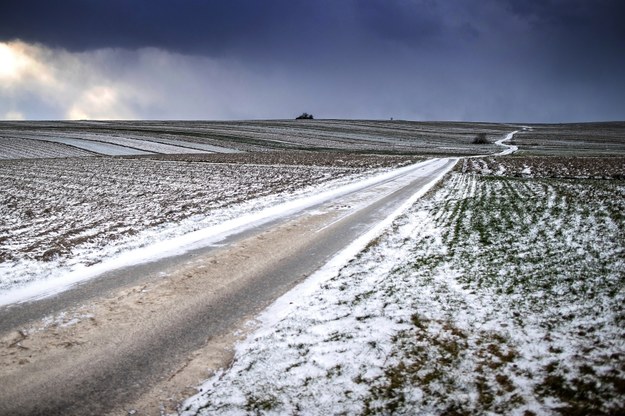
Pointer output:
587, 139
493, 294
179, 137
555, 167
11, 148
25, 138
60, 215
63, 143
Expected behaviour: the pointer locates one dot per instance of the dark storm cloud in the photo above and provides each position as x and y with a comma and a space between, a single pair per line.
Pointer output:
542, 60
291, 29
580, 25
199, 26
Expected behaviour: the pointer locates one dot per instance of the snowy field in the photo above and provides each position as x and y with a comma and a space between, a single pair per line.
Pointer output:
171, 137
566, 167
19, 144
501, 291
581, 139
493, 294
80, 138
63, 215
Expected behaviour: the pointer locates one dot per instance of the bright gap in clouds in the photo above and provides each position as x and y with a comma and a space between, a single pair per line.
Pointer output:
66, 85
8, 62
146, 83
21, 63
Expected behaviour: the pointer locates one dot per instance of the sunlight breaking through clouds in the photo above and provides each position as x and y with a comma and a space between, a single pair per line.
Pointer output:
21, 63
14, 115
71, 85
9, 62
115, 83
97, 103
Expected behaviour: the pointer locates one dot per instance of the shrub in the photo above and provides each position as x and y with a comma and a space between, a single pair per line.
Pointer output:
481, 138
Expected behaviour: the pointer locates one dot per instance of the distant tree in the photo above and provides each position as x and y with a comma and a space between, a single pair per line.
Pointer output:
304, 116
481, 138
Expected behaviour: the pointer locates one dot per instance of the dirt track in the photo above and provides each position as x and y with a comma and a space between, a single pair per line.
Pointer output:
145, 347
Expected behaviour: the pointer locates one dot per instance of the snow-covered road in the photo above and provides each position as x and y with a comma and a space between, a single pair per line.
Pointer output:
142, 333
509, 147
357, 193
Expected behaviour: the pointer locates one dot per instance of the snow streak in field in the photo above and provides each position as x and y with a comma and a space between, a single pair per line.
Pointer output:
22, 148
58, 215
496, 295
43, 144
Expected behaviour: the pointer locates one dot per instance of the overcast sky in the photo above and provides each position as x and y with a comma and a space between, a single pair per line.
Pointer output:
476, 60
